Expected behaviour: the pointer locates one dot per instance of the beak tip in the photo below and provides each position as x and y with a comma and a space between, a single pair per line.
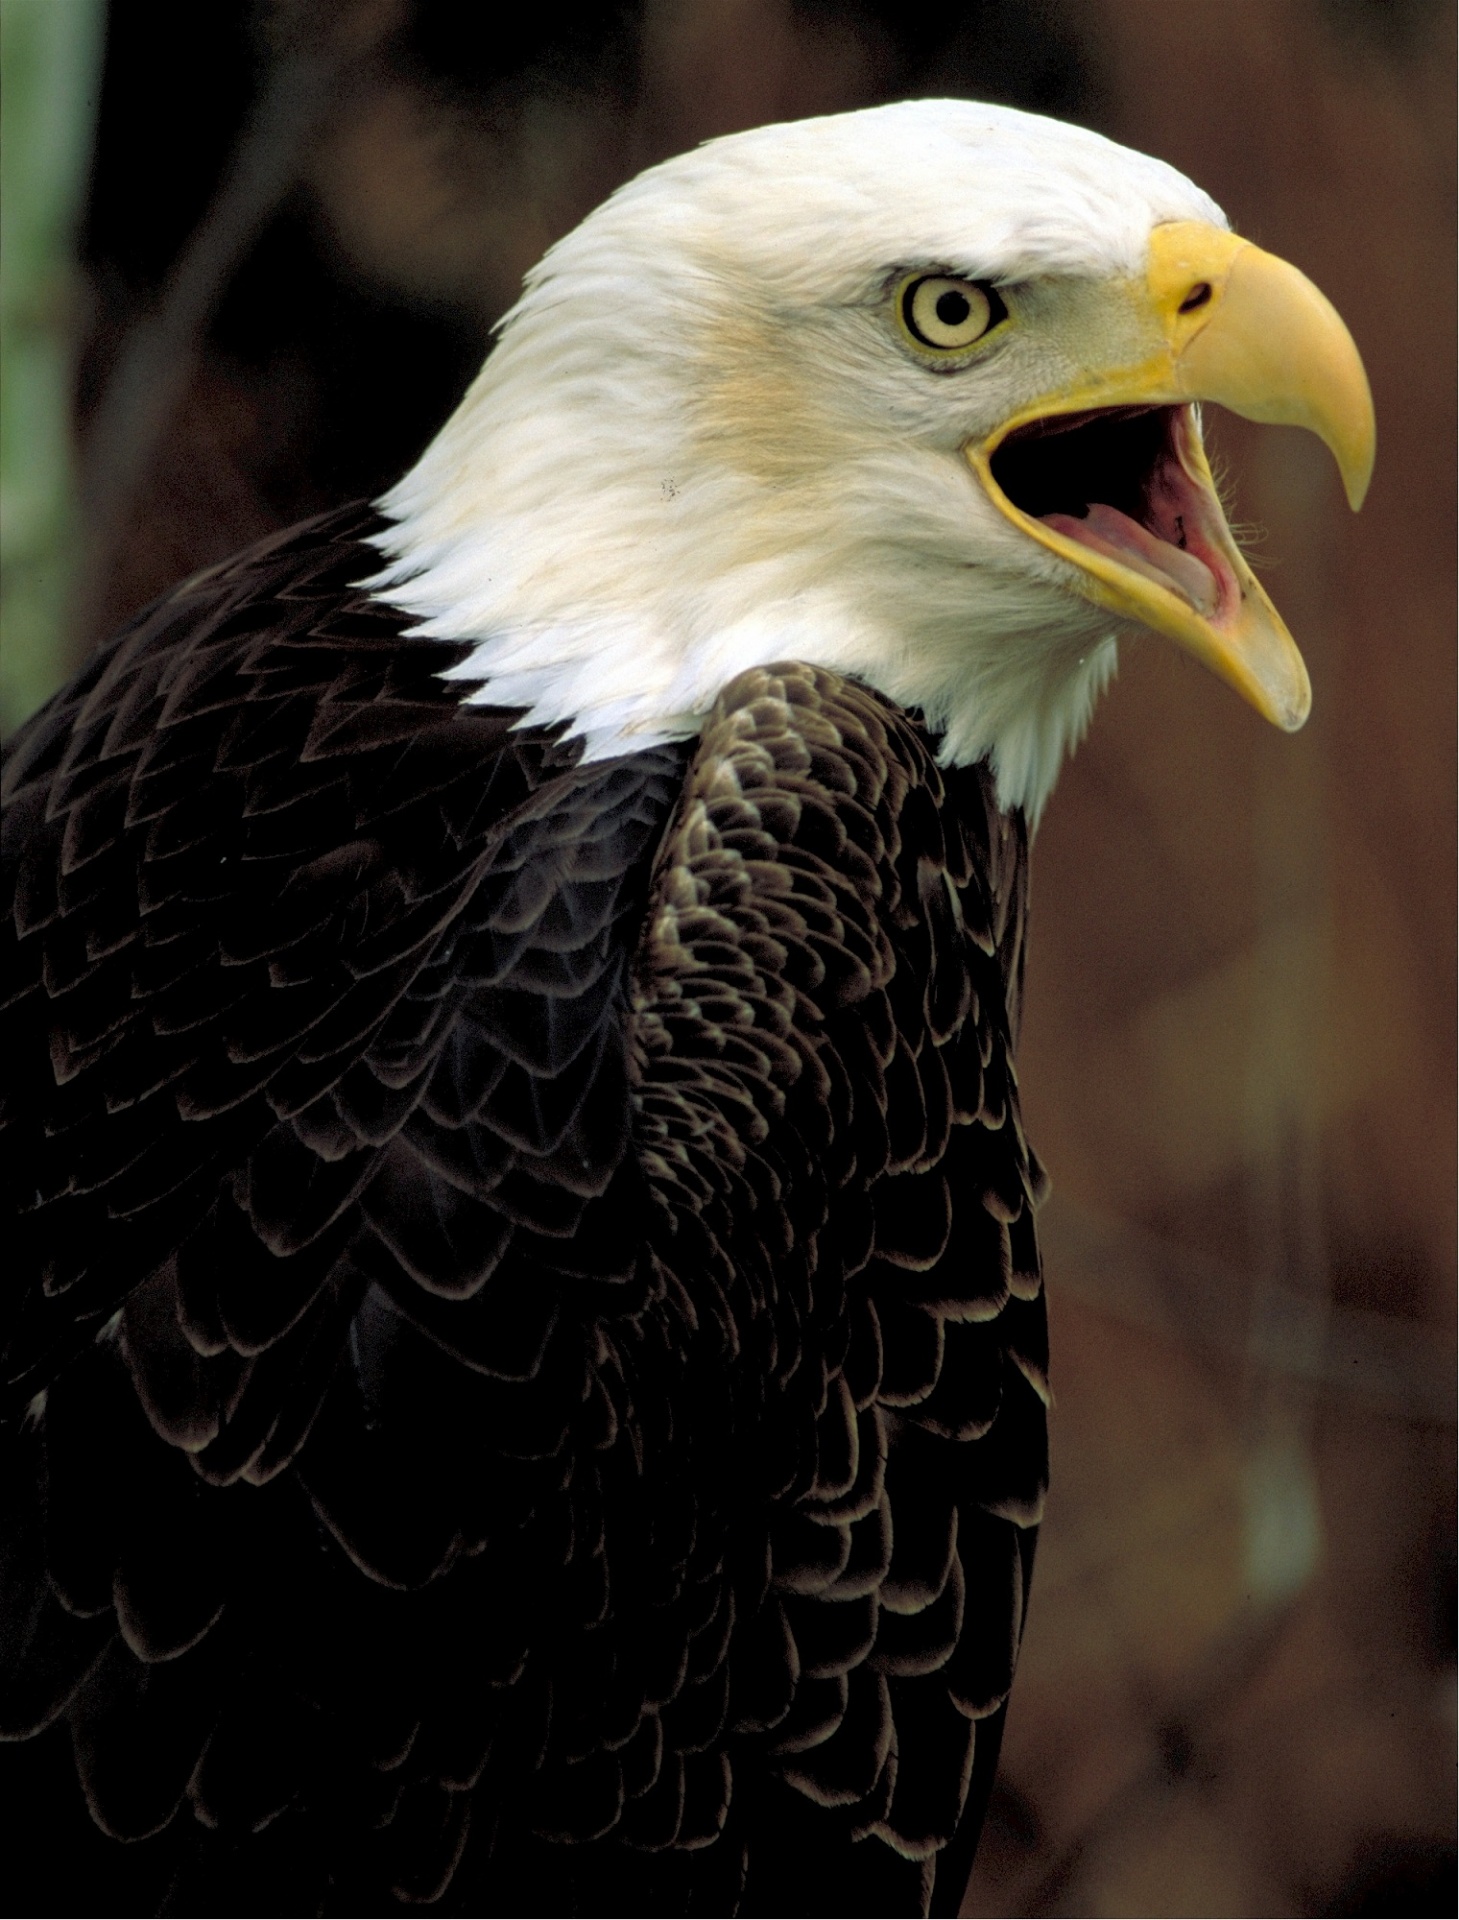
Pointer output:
1356, 466
1356, 458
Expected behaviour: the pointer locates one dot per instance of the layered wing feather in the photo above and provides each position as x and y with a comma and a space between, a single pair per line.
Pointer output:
523, 1330
824, 1020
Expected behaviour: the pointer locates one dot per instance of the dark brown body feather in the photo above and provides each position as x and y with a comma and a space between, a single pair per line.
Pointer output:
523, 1331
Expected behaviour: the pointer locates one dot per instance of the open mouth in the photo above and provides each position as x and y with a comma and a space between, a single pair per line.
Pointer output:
1127, 483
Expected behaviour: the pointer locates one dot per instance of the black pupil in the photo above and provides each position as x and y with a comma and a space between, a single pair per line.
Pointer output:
952, 308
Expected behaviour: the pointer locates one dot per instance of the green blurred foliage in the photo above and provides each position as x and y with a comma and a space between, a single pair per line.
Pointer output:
49, 77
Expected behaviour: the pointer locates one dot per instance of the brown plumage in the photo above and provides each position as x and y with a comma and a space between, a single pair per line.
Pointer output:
523, 1329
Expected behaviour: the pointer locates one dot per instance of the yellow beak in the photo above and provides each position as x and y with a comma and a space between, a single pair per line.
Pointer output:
1215, 319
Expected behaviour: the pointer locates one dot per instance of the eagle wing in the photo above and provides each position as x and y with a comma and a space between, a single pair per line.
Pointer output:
523, 1330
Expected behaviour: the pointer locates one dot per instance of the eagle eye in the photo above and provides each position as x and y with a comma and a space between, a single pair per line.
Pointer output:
948, 315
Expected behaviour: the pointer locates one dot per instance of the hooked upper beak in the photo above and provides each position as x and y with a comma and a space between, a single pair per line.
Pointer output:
1215, 319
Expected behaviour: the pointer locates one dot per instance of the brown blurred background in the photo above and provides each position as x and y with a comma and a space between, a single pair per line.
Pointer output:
252, 252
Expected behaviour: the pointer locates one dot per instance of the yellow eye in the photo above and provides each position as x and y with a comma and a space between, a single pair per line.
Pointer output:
946, 314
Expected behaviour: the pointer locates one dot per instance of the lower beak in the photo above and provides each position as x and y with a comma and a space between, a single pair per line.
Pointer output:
1225, 322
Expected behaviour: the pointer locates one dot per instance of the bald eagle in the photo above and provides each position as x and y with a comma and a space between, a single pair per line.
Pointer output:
524, 1336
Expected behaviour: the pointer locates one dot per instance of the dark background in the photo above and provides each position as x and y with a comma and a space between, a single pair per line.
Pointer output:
1238, 1688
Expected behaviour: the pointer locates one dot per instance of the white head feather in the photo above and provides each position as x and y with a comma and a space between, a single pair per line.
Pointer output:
699, 446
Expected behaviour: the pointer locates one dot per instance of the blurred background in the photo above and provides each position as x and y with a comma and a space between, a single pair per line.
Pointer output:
252, 251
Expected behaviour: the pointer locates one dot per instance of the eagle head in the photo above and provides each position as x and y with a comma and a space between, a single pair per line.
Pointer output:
911, 393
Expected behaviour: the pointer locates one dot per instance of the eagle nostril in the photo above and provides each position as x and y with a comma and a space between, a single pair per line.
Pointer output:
1197, 297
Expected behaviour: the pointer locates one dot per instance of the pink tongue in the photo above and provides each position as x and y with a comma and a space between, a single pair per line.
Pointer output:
1108, 531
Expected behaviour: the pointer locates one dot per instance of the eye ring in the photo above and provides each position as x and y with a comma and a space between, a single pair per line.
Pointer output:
946, 315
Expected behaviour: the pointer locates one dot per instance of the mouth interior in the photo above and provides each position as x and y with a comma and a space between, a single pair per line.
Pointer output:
1113, 481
